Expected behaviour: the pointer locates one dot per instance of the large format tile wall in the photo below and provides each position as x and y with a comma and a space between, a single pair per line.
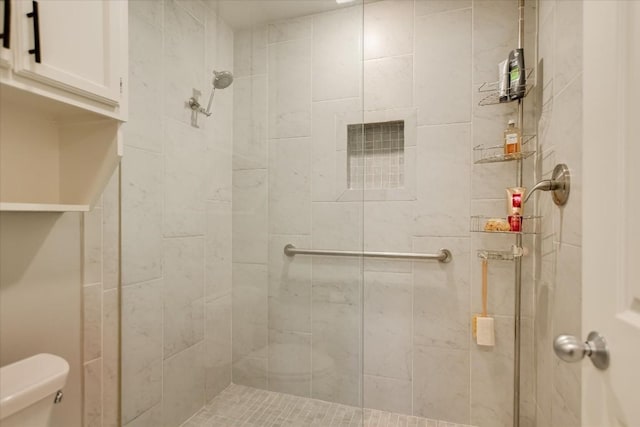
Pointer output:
558, 284
176, 215
100, 277
298, 323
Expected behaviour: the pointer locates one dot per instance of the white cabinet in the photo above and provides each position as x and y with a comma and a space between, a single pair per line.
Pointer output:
63, 98
6, 59
74, 51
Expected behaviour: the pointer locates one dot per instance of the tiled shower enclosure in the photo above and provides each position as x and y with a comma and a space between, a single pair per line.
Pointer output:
347, 129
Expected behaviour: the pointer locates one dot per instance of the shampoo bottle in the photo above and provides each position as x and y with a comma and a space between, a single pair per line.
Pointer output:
517, 74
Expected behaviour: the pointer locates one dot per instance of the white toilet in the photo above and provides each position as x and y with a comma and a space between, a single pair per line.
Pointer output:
29, 388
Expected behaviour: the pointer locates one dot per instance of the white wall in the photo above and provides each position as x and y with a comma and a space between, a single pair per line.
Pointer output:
59, 294
558, 282
176, 215
41, 296
297, 323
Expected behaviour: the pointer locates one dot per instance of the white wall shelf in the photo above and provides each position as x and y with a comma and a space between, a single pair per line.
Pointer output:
54, 157
41, 207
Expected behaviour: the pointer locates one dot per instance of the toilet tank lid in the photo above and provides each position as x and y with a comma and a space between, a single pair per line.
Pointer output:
29, 380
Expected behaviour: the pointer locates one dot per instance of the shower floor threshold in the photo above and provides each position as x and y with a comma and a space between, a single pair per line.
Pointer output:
239, 406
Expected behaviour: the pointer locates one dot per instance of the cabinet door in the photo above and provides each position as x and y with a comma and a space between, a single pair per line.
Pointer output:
80, 45
7, 39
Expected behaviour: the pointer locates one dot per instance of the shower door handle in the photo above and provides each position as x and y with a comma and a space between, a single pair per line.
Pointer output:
571, 349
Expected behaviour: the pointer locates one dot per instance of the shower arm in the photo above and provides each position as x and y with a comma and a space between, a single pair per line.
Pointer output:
208, 110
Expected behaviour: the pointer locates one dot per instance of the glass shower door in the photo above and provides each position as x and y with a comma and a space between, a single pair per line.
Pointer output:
297, 318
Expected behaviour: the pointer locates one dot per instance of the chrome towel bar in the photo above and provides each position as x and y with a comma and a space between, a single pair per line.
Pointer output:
444, 255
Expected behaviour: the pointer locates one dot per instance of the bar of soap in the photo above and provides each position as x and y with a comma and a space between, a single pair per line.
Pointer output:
485, 334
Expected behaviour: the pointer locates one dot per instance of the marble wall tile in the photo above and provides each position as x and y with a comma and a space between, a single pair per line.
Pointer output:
224, 53
566, 130
495, 33
441, 295
194, 166
111, 233
250, 290
141, 348
218, 240
546, 42
141, 216
144, 127
544, 356
250, 122
92, 246
388, 83
217, 334
567, 296
92, 315
561, 415
337, 48
290, 29
388, 227
290, 362
92, 407
387, 394
443, 181
110, 358
289, 285
388, 304
289, 85
184, 180
211, 32
250, 220
147, 11
219, 148
568, 43
183, 385
290, 186
558, 296
436, 393
388, 29
250, 51
182, 61
183, 293
443, 67
250, 372
195, 8
427, 7
337, 312
492, 385
528, 373
337, 225
150, 418
324, 143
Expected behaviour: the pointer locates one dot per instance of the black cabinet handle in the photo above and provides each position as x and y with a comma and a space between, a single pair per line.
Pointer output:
36, 31
6, 35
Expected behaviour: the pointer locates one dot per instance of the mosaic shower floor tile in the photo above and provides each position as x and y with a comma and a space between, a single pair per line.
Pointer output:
238, 406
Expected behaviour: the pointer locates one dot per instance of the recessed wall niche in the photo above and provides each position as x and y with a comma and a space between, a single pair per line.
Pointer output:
375, 155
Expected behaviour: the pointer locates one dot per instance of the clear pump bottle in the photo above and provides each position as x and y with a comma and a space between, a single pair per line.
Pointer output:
512, 139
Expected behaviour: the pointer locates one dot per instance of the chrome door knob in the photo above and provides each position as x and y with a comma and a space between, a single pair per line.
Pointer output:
571, 349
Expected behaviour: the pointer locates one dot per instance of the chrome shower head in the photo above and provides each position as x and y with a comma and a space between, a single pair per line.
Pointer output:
222, 79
